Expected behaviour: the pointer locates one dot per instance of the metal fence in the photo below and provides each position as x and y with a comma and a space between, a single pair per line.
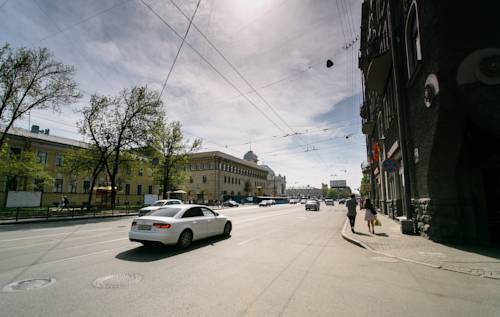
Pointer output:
17, 214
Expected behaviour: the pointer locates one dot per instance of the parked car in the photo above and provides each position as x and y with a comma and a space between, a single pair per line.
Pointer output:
329, 202
159, 204
293, 201
230, 203
341, 201
303, 201
273, 202
265, 203
179, 224
312, 205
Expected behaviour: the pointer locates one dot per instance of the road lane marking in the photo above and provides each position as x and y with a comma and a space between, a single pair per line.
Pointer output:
2, 249
53, 234
263, 217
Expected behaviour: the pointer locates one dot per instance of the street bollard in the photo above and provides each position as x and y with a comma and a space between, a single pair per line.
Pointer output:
48, 212
17, 213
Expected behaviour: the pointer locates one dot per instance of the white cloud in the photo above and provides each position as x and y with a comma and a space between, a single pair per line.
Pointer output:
266, 40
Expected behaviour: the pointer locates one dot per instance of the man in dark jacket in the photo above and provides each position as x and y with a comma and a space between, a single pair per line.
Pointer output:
351, 211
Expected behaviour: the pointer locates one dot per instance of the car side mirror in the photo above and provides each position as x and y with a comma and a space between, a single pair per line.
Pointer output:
216, 214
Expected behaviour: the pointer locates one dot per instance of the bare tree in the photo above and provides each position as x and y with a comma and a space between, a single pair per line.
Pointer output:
171, 149
116, 125
32, 79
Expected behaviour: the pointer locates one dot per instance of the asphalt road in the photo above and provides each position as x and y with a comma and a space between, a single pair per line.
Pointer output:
279, 261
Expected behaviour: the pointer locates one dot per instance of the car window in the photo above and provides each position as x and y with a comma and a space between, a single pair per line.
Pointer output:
193, 212
173, 202
207, 212
165, 212
158, 203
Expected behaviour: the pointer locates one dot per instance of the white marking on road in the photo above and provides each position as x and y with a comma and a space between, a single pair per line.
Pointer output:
262, 217
96, 243
53, 234
2, 249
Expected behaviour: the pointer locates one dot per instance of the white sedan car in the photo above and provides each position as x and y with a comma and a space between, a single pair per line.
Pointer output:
179, 224
159, 204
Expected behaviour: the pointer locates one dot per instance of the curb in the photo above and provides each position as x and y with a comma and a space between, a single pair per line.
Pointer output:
365, 246
489, 275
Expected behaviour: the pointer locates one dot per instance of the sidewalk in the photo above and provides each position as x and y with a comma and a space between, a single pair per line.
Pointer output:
389, 241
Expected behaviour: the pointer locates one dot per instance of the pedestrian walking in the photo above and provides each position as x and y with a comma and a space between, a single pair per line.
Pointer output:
351, 211
370, 215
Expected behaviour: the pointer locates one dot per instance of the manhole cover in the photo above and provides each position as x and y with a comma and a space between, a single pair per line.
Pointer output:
117, 280
29, 285
385, 259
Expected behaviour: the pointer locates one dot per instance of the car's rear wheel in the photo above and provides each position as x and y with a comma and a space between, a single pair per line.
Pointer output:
227, 229
185, 239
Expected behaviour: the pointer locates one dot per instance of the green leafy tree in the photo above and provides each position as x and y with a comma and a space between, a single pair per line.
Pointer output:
116, 125
22, 169
171, 151
31, 79
83, 162
365, 188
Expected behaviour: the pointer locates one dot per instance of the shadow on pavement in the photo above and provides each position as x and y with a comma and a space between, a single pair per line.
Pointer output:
489, 251
382, 234
361, 234
159, 252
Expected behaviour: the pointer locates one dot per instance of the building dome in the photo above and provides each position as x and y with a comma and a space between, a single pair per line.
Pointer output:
270, 172
250, 156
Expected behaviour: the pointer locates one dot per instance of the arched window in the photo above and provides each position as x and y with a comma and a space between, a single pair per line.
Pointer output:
412, 37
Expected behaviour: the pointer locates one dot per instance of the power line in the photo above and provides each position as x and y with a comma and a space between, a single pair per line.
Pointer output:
179, 50
69, 27
213, 67
238, 72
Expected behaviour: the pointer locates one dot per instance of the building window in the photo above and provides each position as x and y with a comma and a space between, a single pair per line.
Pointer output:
59, 159
139, 189
86, 186
73, 187
127, 189
41, 157
412, 36
141, 172
191, 179
150, 189
58, 185
204, 179
15, 153
150, 172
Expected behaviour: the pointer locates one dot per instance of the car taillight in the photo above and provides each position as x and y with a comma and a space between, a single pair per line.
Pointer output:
162, 225
134, 223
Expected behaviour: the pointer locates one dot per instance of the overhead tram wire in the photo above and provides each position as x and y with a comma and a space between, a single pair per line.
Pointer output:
69, 27
212, 66
238, 72
179, 50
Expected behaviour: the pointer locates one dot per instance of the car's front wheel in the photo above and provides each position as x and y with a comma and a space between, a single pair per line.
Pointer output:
185, 239
227, 229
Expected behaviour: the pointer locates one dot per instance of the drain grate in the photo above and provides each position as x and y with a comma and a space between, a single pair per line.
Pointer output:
29, 285
117, 280
385, 259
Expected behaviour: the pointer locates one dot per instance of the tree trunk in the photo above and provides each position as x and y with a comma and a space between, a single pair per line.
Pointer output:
94, 177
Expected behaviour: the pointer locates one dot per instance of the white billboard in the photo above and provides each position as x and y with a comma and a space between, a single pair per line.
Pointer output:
338, 183
23, 199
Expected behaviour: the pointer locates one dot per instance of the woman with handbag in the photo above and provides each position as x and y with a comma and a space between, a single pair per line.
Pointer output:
370, 215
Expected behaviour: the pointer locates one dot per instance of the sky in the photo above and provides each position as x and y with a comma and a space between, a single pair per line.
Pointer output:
263, 84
